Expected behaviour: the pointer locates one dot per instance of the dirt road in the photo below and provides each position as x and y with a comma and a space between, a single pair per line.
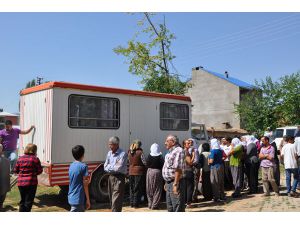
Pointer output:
48, 200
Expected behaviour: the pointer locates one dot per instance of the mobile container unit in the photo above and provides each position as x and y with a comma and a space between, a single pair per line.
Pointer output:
67, 114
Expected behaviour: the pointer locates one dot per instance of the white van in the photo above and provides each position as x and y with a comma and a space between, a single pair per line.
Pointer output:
281, 131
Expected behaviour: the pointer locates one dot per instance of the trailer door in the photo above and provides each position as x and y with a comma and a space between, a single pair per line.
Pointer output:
143, 121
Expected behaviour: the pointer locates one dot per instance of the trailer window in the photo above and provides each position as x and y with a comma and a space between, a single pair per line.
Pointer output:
174, 116
94, 112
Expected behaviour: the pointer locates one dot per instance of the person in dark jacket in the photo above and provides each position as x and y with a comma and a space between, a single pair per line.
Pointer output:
154, 179
137, 171
205, 173
28, 167
252, 164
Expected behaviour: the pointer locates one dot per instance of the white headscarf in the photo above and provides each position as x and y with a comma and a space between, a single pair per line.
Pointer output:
236, 142
155, 150
194, 143
214, 144
251, 139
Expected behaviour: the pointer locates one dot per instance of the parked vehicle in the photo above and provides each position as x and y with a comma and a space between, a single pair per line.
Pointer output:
281, 131
67, 114
199, 133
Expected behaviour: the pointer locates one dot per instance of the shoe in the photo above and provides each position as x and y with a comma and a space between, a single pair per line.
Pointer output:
277, 194
223, 198
188, 206
235, 195
265, 194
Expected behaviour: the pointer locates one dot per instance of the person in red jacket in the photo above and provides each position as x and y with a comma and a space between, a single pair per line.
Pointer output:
28, 167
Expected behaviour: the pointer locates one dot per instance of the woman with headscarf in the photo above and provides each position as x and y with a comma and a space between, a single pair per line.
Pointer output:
154, 180
205, 173
236, 154
137, 169
188, 173
252, 163
216, 170
196, 168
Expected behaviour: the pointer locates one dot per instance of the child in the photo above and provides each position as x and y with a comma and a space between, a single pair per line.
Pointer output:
4, 177
79, 182
28, 167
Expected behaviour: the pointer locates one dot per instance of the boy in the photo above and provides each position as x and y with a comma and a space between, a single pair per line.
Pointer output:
289, 156
28, 167
4, 177
79, 182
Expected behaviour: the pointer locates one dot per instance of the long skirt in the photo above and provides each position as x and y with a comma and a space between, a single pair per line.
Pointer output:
206, 186
154, 187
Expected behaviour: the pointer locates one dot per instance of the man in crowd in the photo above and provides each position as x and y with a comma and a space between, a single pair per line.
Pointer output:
9, 137
267, 164
116, 166
290, 156
172, 174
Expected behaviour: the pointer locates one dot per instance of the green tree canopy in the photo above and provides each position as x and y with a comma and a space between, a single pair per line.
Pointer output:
151, 58
271, 104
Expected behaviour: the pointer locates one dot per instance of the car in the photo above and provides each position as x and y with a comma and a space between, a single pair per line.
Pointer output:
281, 131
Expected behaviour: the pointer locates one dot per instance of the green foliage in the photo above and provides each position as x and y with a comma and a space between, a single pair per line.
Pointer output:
271, 104
30, 83
151, 58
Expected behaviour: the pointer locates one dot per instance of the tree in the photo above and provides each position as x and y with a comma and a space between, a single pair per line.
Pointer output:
271, 104
30, 83
151, 59
290, 99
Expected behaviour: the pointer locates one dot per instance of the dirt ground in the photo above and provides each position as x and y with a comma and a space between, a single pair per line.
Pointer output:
49, 200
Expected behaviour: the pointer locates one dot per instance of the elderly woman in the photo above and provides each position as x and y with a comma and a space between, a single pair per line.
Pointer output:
28, 167
196, 168
188, 173
154, 179
137, 170
236, 155
216, 170
252, 163
205, 172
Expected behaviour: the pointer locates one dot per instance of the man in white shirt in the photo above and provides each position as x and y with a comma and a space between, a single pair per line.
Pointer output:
290, 156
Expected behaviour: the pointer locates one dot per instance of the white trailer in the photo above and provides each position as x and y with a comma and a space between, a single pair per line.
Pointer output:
68, 114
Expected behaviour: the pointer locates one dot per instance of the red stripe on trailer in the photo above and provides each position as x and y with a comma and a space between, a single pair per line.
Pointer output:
51, 85
59, 173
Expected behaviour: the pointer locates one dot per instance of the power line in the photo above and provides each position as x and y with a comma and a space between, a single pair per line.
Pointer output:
249, 37
239, 33
233, 44
237, 49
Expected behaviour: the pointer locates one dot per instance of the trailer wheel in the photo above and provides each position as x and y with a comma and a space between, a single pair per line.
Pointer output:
99, 186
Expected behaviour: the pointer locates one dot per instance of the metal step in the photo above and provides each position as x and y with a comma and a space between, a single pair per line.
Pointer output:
13, 181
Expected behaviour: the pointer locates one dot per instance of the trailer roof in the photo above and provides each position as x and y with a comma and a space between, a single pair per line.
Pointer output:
55, 84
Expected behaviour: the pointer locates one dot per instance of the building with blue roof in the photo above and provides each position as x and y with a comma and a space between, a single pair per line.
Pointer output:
213, 97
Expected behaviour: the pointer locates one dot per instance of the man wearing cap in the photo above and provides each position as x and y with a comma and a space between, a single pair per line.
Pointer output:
9, 137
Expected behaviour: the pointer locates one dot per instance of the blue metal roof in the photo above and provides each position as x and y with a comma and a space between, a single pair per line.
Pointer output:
232, 80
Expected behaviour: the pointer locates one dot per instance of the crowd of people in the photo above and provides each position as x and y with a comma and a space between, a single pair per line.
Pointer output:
182, 174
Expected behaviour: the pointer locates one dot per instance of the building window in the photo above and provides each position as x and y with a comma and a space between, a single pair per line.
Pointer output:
94, 112
174, 116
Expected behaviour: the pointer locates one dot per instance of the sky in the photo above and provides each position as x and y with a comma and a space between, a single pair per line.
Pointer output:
78, 47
